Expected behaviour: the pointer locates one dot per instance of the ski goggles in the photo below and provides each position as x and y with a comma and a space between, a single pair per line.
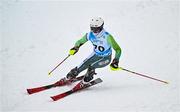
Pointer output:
96, 29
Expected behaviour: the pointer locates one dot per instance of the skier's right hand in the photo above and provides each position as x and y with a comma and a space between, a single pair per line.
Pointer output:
73, 50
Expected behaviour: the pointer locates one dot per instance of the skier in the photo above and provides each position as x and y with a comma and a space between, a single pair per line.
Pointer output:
103, 43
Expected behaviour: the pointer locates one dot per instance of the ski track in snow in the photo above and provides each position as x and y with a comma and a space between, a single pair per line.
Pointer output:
37, 35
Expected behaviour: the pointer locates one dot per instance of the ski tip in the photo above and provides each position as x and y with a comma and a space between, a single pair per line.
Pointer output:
53, 98
28, 91
166, 82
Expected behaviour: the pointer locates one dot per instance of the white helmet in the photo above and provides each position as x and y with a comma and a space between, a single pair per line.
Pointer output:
96, 22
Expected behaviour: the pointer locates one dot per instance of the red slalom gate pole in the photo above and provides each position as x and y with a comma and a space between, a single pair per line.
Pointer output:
144, 75
58, 65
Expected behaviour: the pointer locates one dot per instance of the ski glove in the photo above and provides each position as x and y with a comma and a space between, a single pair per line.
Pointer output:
73, 50
114, 65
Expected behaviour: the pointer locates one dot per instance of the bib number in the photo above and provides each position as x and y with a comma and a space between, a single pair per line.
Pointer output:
100, 48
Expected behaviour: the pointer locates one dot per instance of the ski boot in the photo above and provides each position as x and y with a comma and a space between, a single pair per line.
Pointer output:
69, 78
72, 74
85, 81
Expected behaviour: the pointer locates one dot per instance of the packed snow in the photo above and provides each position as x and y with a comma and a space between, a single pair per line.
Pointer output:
37, 35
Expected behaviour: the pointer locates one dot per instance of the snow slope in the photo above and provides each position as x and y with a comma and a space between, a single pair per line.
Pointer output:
37, 35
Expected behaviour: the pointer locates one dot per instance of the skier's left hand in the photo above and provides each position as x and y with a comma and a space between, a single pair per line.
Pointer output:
114, 65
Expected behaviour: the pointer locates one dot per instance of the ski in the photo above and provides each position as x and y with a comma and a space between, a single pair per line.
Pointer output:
42, 88
62, 95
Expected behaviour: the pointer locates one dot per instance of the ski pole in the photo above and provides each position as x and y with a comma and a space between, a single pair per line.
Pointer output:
58, 64
143, 75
